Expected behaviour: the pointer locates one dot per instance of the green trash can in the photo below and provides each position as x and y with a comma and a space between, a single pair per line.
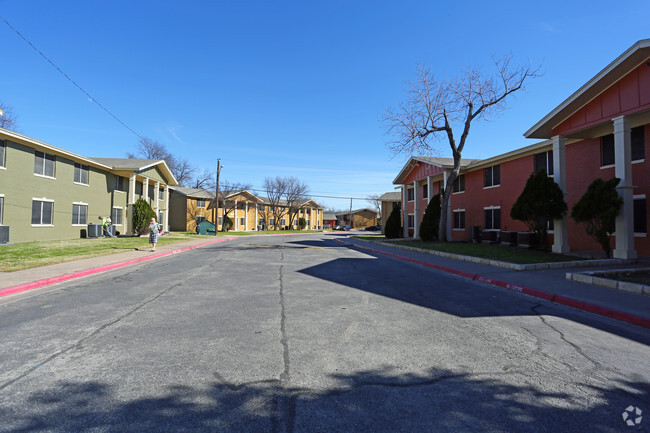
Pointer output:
206, 228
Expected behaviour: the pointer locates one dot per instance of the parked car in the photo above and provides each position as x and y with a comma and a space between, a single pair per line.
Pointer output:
372, 228
338, 227
347, 228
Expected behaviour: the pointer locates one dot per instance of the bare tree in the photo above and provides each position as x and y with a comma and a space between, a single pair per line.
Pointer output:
433, 109
229, 197
296, 194
275, 191
183, 171
205, 179
8, 118
181, 168
375, 201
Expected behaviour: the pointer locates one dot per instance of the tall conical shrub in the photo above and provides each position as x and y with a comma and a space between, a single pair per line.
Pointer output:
142, 214
431, 220
393, 224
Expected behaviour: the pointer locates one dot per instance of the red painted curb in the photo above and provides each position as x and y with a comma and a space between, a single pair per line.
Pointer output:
558, 299
47, 281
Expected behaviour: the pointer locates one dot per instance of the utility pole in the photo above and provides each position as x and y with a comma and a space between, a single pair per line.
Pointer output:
351, 222
215, 210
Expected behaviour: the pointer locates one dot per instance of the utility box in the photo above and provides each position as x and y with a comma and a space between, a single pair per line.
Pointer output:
94, 230
4, 235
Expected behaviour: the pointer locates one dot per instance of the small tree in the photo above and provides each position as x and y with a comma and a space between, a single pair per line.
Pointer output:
393, 227
541, 201
227, 224
302, 223
142, 214
431, 220
598, 209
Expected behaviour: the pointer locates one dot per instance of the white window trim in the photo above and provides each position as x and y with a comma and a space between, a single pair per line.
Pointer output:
492, 208
638, 161
603, 167
81, 204
492, 186
1, 209
44, 176
118, 207
81, 184
88, 170
638, 234
3, 165
407, 194
47, 200
413, 215
452, 219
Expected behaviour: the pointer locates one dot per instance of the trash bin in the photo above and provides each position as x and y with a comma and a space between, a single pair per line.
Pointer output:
206, 228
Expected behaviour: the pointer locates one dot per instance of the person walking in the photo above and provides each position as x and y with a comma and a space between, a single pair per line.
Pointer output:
104, 226
153, 234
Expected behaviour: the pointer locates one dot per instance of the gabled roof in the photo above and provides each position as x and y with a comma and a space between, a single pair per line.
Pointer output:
136, 165
283, 202
355, 211
193, 192
445, 163
391, 196
624, 64
328, 216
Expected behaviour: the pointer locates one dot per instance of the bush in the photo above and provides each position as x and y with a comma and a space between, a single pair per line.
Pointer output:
431, 220
598, 209
393, 224
142, 214
541, 201
227, 224
302, 223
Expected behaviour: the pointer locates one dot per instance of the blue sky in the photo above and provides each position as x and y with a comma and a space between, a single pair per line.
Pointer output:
292, 88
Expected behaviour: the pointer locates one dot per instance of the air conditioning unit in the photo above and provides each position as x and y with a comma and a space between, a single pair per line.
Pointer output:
4, 234
94, 230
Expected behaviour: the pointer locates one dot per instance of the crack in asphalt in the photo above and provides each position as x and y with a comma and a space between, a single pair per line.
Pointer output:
79, 343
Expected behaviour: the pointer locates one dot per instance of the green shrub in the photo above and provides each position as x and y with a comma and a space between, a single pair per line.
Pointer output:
142, 214
227, 224
598, 209
302, 223
393, 227
541, 201
431, 220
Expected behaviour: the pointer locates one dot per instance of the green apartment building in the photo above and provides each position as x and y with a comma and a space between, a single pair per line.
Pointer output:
49, 193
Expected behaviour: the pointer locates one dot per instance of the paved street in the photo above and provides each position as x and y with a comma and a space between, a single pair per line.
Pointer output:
304, 334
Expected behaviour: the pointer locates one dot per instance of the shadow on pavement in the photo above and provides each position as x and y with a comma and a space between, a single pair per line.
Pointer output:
368, 401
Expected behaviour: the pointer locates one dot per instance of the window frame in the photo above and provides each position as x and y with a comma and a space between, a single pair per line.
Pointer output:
425, 191
79, 168
46, 157
2, 207
117, 221
200, 203
242, 221
3, 154
43, 200
411, 221
461, 184
548, 163
494, 183
410, 194
637, 142
118, 183
492, 210
456, 224
77, 216
607, 141
637, 199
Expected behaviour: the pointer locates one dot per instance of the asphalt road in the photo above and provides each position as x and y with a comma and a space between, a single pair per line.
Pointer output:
303, 334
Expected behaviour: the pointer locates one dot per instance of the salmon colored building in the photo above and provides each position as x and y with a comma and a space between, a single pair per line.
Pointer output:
600, 131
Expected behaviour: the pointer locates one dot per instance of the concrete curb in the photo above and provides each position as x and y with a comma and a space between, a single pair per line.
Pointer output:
506, 265
553, 297
593, 278
58, 279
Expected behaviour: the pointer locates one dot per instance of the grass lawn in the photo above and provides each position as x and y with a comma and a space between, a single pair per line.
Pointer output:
630, 277
33, 254
501, 253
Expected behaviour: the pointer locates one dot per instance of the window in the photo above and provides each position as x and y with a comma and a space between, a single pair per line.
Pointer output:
640, 215
138, 188
492, 176
116, 216
544, 161
44, 164
396, 204
282, 222
42, 212
220, 221
607, 150
261, 221
411, 221
459, 184
150, 192
242, 221
119, 184
200, 203
492, 218
261, 208
272, 222
2, 204
160, 217
410, 194
81, 173
425, 191
161, 195
638, 143
459, 219
3, 152
79, 214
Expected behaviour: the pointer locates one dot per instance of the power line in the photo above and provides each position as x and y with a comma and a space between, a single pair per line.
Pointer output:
311, 195
69, 79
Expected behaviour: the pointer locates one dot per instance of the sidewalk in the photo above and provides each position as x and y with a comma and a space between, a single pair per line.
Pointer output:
549, 284
20, 281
